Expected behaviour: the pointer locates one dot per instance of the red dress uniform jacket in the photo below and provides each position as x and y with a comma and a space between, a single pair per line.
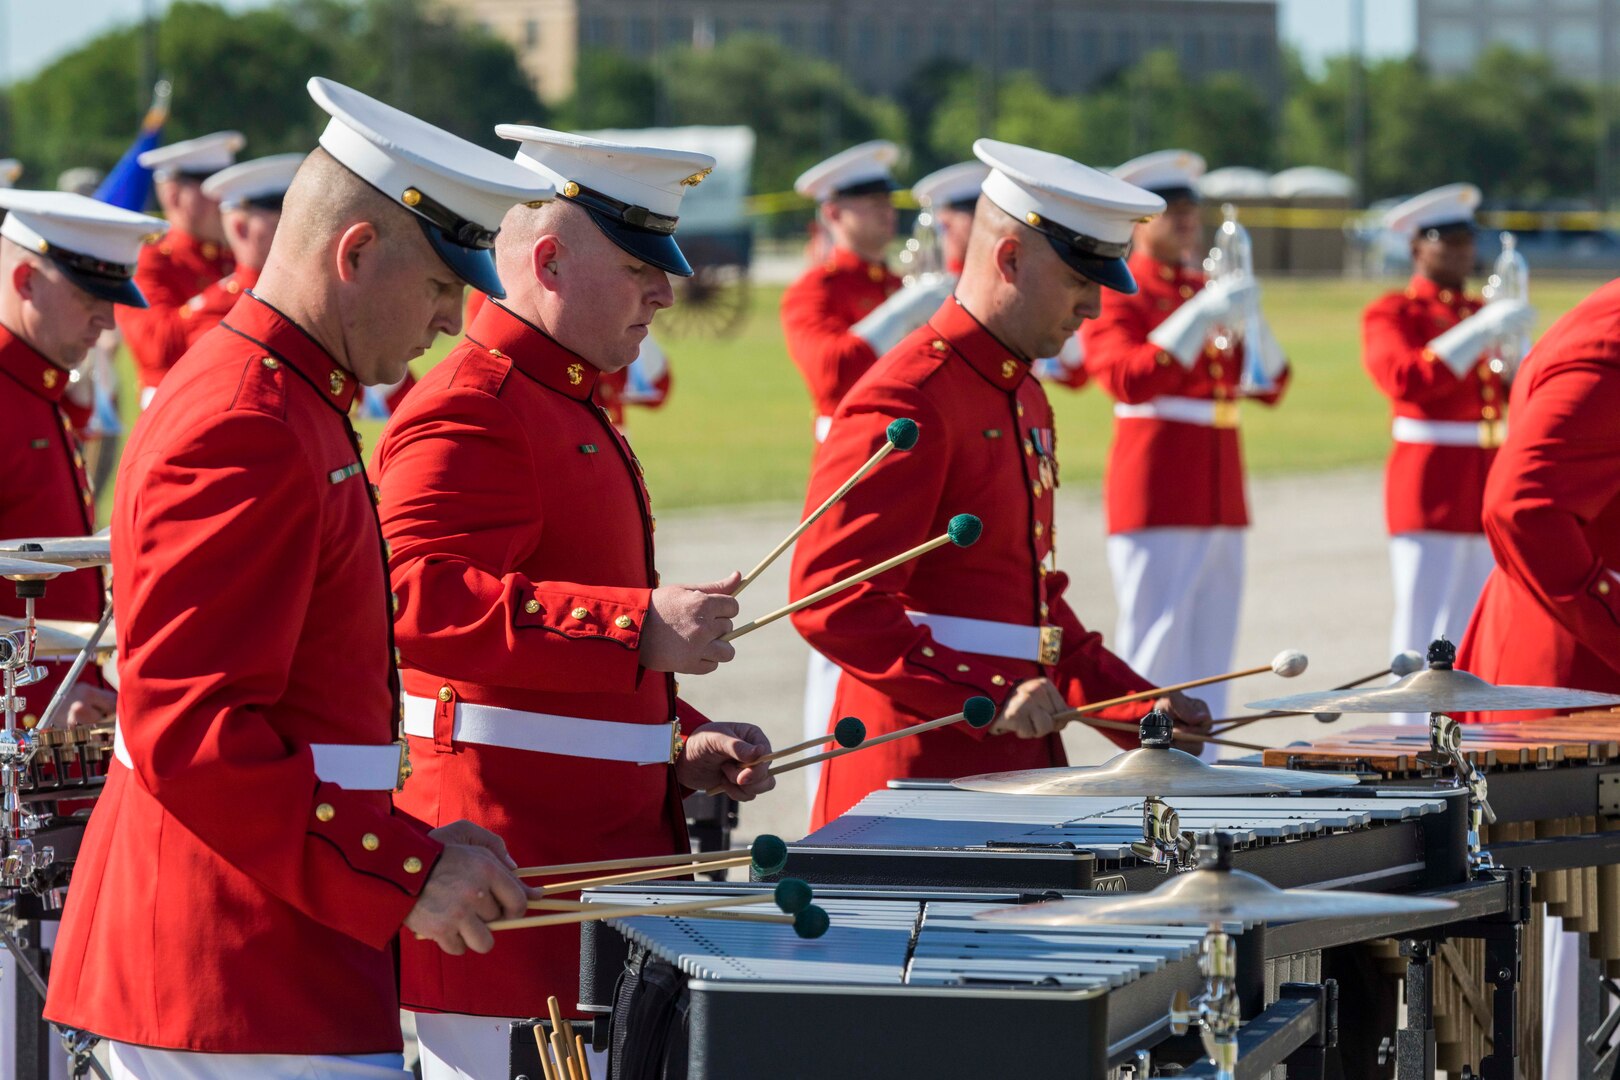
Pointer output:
169, 273
1436, 488
817, 312
1550, 612
225, 898
1165, 473
44, 491
610, 386
986, 449
521, 534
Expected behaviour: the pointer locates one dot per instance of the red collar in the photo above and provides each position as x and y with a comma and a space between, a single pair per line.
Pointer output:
959, 330
846, 260
532, 351
37, 375
1422, 288
273, 332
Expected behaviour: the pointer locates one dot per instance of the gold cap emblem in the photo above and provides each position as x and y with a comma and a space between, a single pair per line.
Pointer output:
411, 197
576, 374
696, 178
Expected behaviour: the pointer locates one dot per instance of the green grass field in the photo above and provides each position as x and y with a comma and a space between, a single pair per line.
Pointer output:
737, 426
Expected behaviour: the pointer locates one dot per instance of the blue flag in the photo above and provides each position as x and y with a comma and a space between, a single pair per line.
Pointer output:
129, 184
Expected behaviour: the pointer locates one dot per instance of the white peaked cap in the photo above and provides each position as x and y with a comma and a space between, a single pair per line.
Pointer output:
632, 192
858, 170
203, 155
952, 184
460, 190
261, 178
1453, 204
1163, 170
94, 243
1087, 215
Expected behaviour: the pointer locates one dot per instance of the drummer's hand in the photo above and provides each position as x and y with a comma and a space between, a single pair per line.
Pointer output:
1191, 714
1031, 711
88, 704
721, 755
471, 884
686, 625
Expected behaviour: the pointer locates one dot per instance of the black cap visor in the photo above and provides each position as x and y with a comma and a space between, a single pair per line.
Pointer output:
1449, 230
654, 248
102, 280
474, 265
882, 184
1179, 193
1111, 272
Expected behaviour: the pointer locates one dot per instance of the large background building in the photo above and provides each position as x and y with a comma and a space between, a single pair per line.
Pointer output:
1070, 44
1580, 36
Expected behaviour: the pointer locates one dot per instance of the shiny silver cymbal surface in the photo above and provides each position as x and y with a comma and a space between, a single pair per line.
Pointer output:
1439, 690
74, 551
1165, 772
27, 568
62, 639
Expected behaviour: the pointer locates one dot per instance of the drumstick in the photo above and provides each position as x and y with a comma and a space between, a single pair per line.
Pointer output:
545, 1052
654, 874
977, 711
790, 895
963, 531
766, 850
559, 1041
579, 1052
849, 732
1404, 664
900, 435
1287, 664
1119, 725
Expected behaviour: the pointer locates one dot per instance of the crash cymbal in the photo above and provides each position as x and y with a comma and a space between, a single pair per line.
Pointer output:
1161, 771
1215, 896
23, 569
62, 639
1439, 690
74, 551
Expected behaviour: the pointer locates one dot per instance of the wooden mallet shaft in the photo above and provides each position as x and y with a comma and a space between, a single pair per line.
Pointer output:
1157, 692
1191, 736
619, 911
883, 451
545, 1053
644, 875
635, 863
905, 733
1228, 723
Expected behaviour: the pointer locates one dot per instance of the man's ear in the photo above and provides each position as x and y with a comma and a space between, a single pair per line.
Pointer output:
545, 260
1009, 254
22, 279
357, 245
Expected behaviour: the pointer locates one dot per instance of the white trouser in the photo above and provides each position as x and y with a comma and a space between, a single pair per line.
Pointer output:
1560, 1001
1178, 592
820, 691
460, 1047
1438, 578
126, 1062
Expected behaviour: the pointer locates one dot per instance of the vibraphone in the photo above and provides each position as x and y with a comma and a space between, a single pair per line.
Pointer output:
1555, 787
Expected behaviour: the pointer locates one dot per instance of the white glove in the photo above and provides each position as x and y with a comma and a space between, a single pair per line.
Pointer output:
1268, 354
1460, 347
1183, 334
903, 312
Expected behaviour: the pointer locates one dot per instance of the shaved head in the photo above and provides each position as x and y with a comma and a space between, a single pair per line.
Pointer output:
325, 198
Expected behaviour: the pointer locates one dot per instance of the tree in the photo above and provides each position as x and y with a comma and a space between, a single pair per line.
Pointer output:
611, 90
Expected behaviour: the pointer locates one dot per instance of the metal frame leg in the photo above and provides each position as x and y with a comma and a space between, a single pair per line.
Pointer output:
1414, 1043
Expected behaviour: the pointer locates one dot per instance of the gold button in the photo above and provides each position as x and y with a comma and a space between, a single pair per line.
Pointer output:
579, 613
497, 354
928, 650
1029, 448
622, 622
376, 494
413, 865
393, 602
998, 680
1603, 587
325, 812
939, 345
1215, 369
962, 667
531, 606
270, 362
1489, 412
1020, 408
1039, 528
1186, 292
445, 693
1163, 359
370, 841
1037, 489
388, 550
1445, 296
398, 659
1046, 609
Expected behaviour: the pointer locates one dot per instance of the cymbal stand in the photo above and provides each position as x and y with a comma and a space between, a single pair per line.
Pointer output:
1445, 739
1163, 844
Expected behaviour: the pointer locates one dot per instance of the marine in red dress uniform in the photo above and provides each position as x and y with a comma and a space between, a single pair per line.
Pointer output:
190, 257
539, 698
244, 874
1173, 488
992, 619
1426, 347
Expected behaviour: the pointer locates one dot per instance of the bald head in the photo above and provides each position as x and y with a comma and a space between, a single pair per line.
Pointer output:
563, 274
1014, 282
354, 270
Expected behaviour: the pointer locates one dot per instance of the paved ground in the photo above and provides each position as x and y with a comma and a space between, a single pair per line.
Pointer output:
1318, 580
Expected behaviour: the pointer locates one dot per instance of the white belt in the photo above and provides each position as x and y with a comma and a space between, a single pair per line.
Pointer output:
543, 733
1201, 411
1013, 641
823, 425
1484, 433
357, 767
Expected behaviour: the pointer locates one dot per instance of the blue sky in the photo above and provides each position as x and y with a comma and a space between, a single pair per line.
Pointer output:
33, 32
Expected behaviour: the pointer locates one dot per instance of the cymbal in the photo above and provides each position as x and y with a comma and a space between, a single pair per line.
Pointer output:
74, 551
1165, 772
1439, 690
62, 639
26, 568
1215, 896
